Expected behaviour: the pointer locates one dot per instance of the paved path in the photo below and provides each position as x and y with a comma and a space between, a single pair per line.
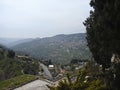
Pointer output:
35, 85
46, 71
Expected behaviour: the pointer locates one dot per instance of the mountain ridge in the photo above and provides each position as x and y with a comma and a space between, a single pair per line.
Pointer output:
58, 48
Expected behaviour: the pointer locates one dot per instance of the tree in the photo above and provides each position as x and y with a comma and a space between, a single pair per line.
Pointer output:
11, 54
103, 30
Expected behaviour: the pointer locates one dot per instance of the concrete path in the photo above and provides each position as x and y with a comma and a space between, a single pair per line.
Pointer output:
35, 85
46, 71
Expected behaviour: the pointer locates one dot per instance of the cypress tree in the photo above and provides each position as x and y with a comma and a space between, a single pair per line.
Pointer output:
103, 28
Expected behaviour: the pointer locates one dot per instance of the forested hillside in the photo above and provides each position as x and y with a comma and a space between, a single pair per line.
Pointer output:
60, 48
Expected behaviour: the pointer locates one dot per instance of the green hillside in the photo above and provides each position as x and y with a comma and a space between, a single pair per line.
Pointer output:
11, 65
60, 48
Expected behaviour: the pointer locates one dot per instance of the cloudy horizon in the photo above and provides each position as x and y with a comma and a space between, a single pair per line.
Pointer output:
42, 18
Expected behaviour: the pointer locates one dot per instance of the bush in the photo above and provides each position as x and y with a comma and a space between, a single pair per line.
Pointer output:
97, 85
11, 54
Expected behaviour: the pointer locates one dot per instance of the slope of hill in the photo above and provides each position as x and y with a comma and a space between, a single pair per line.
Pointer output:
11, 66
60, 48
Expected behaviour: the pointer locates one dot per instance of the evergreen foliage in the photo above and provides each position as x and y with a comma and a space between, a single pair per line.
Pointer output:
103, 30
11, 54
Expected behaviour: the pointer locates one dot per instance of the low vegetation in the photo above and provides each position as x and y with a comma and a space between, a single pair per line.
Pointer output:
16, 82
12, 66
90, 77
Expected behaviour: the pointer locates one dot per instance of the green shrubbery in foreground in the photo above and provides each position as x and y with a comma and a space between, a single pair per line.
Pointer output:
80, 82
91, 77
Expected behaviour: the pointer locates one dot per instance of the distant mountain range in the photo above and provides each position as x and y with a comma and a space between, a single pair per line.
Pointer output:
60, 48
10, 42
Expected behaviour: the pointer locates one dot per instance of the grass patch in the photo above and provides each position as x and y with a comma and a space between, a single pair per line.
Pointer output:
16, 82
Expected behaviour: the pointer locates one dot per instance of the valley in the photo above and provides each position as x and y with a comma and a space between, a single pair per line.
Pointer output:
48, 58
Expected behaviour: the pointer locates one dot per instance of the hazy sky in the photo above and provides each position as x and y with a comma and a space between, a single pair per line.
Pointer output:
42, 18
